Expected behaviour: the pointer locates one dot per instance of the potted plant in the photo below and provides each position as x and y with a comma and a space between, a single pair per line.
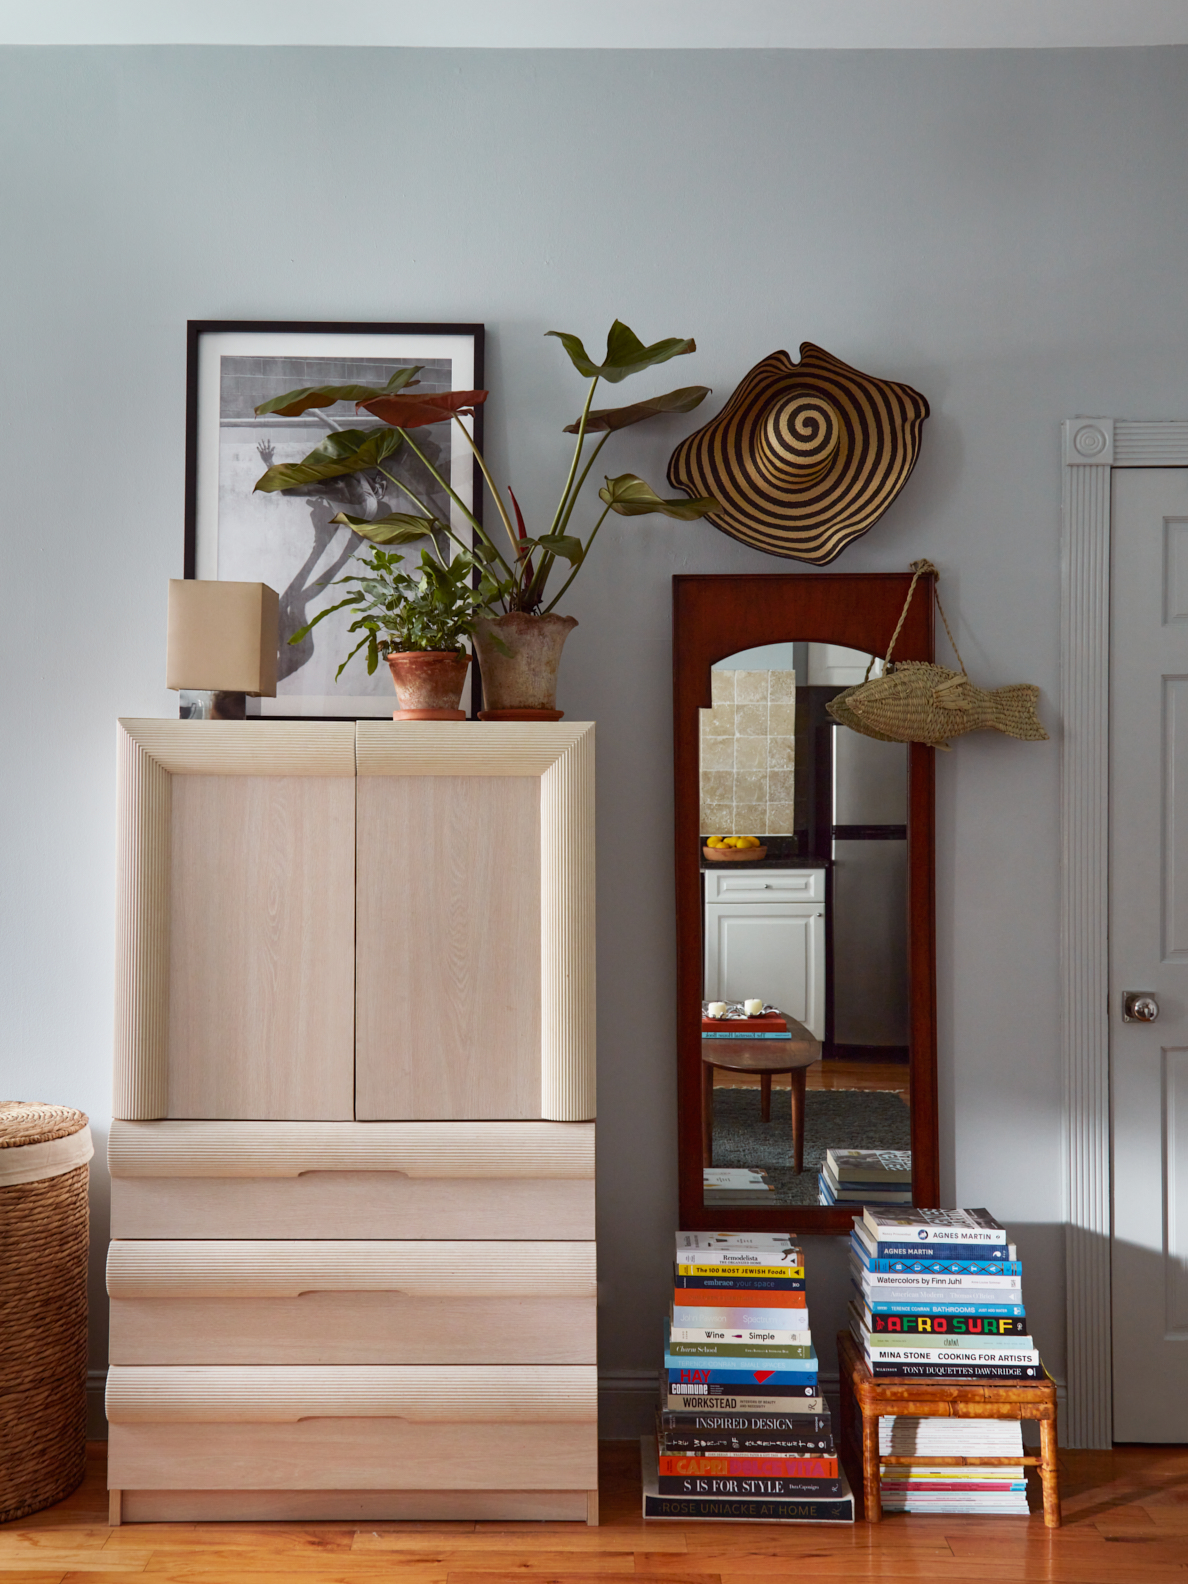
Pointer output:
419, 623
519, 636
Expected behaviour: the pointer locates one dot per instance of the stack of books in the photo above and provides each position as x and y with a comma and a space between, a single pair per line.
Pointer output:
865, 1176
921, 1486
938, 1296
736, 1185
743, 1431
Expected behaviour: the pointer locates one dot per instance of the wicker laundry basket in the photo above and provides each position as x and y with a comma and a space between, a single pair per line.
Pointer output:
44, 1150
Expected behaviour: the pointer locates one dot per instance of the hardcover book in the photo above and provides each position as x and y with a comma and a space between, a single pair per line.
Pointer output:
801, 1348
930, 1304
765, 1297
964, 1372
703, 1317
721, 1399
907, 1248
736, 1509
941, 1327
809, 1419
692, 1485
756, 1279
765, 1467
706, 1372
723, 1443
871, 1166
794, 1328
889, 1222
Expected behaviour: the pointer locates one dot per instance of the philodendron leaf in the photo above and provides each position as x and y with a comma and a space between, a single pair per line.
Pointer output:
395, 528
414, 412
341, 452
677, 401
631, 497
625, 353
563, 545
293, 403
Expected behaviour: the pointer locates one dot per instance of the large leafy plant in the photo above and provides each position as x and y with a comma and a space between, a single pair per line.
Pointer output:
435, 609
515, 577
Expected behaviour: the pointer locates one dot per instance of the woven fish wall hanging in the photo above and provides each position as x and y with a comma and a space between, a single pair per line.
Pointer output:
804, 457
916, 701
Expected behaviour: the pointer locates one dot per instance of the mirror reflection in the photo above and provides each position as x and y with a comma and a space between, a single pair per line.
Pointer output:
805, 1057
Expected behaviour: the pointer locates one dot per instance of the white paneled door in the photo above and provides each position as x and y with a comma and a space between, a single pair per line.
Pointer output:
1149, 951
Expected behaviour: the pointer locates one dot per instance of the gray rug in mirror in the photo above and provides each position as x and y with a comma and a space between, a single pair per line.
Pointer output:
833, 1119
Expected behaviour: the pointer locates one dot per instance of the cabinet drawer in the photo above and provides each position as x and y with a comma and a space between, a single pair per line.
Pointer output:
326, 1454
350, 1204
357, 1302
461, 1394
507, 1180
765, 885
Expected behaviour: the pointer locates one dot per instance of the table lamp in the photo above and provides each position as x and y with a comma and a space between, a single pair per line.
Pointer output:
222, 645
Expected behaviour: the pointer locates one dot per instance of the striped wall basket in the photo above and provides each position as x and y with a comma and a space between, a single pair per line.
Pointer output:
804, 457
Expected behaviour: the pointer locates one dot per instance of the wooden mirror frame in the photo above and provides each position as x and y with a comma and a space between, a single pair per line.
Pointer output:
714, 616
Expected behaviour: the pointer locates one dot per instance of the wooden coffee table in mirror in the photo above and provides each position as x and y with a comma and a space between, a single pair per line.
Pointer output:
765, 1057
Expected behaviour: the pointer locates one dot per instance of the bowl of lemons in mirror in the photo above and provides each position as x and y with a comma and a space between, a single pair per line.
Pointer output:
734, 849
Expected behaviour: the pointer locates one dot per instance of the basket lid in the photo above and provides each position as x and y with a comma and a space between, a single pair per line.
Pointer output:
30, 1122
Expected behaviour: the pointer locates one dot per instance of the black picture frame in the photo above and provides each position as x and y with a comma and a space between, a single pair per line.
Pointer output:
232, 534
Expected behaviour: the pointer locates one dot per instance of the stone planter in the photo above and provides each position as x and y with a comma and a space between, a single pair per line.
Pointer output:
428, 683
521, 685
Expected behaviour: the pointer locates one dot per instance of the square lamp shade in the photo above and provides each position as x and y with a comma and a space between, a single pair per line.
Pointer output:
222, 637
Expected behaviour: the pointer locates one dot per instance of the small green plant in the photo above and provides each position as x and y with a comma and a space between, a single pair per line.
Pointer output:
397, 610
515, 577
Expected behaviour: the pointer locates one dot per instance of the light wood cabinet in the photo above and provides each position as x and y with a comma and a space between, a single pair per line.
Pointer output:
353, 1156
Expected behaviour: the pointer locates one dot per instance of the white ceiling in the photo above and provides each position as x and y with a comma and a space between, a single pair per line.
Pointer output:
603, 24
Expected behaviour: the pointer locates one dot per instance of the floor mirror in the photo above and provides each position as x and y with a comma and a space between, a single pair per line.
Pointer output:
805, 906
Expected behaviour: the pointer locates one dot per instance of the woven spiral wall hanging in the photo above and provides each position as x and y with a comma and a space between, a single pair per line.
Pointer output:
804, 457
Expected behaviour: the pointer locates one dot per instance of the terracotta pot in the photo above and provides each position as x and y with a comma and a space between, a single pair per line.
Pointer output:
428, 683
521, 685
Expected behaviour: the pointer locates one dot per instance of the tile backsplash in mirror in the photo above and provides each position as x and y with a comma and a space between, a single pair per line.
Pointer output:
748, 754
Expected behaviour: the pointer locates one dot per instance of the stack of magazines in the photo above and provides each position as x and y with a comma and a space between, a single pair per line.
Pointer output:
921, 1486
743, 1432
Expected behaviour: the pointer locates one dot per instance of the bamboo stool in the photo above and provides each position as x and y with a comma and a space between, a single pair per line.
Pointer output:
44, 1150
918, 1399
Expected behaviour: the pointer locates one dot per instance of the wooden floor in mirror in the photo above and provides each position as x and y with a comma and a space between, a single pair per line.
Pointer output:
1125, 1522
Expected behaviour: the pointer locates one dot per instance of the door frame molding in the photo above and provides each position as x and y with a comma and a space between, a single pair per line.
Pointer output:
1092, 448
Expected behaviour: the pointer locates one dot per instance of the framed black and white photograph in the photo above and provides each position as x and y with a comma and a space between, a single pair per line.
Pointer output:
286, 538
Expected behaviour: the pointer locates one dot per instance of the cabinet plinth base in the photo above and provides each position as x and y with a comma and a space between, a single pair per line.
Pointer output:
298, 1506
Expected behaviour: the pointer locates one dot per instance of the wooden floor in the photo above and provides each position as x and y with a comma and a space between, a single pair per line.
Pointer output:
1126, 1522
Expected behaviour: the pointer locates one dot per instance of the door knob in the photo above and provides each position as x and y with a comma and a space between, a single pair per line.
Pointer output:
1139, 1006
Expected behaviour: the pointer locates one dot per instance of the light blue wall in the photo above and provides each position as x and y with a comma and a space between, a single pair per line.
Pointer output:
1005, 231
